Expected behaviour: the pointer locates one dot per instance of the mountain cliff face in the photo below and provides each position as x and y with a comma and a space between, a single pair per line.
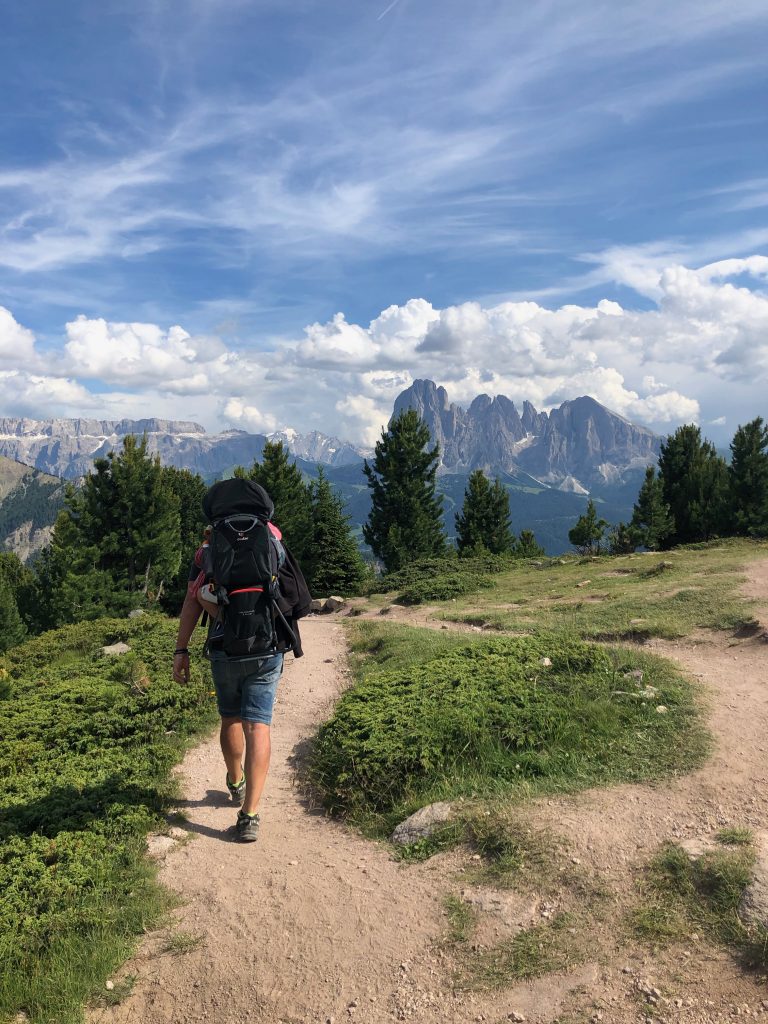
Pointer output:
67, 448
316, 447
29, 503
576, 447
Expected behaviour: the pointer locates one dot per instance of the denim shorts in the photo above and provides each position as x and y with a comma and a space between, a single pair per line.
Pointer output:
246, 687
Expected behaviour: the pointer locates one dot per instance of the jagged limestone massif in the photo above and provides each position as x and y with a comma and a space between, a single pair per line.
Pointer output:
576, 446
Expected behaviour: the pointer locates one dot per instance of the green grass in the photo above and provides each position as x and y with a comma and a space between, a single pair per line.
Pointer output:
679, 896
514, 854
436, 716
87, 744
461, 920
626, 597
735, 836
531, 953
121, 990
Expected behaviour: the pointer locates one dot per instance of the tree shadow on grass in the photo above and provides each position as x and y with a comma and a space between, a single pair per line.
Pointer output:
69, 808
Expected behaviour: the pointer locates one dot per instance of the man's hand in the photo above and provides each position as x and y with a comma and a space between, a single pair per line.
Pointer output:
181, 667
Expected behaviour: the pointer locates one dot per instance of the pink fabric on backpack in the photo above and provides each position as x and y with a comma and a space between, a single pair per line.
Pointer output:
275, 531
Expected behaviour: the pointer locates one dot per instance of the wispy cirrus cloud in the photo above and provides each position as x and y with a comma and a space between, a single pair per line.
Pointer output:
376, 153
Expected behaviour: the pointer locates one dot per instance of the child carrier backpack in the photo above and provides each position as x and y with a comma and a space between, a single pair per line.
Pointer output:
242, 565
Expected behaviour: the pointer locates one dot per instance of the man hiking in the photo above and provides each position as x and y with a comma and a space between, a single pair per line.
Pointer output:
252, 591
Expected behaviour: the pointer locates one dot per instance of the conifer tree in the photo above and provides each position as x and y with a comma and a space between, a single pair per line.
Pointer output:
21, 581
588, 532
189, 489
483, 523
748, 479
623, 539
333, 564
281, 478
526, 545
12, 628
50, 606
116, 542
651, 518
405, 521
694, 485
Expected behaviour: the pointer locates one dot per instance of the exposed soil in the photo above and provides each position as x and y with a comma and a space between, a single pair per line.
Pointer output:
313, 923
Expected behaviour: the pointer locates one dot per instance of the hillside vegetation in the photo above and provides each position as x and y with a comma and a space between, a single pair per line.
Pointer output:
434, 717
436, 714
631, 597
87, 743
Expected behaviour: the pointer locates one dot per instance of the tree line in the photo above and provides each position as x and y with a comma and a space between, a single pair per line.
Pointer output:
127, 537
694, 495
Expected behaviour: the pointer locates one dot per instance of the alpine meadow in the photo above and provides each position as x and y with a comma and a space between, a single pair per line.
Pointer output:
383, 512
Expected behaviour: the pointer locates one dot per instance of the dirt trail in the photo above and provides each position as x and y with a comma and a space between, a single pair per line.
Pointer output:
313, 923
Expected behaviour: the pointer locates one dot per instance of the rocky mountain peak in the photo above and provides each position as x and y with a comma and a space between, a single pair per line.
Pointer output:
577, 445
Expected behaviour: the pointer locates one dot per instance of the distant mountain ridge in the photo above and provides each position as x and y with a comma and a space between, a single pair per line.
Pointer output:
67, 447
577, 447
317, 447
549, 461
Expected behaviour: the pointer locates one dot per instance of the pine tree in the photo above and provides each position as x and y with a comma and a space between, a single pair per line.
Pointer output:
21, 581
189, 489
12, 629
651, 518
588, 531
527, 546
623, 539
694, 485
13, 575
49, 606
405, 521
281, 478
115, 543
748, 479
483, 523
333, 564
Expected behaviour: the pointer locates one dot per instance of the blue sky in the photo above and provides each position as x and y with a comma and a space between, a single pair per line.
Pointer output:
246, 169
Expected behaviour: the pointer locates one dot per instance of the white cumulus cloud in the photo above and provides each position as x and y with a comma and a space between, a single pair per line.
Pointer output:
700, 353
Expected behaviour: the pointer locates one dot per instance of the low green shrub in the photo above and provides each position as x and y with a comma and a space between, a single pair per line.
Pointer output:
87, 743
443, 587
428, 568
491, 716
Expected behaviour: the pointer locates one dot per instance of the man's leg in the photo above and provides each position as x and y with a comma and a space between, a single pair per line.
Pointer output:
258, 746
232, 747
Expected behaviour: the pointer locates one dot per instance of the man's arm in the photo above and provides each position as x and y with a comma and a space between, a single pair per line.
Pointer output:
188, 619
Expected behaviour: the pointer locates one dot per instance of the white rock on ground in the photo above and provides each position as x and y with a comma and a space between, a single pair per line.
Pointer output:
118, 648
159, 845
333, 604
422, 823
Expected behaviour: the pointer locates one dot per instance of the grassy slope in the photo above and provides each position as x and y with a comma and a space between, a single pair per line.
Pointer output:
87, 744
666, 595
523, 729
437, 715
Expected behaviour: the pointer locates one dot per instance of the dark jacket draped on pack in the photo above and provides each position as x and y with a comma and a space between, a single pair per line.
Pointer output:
294, 601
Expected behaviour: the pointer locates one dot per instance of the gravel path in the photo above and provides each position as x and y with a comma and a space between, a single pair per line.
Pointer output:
314, 924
